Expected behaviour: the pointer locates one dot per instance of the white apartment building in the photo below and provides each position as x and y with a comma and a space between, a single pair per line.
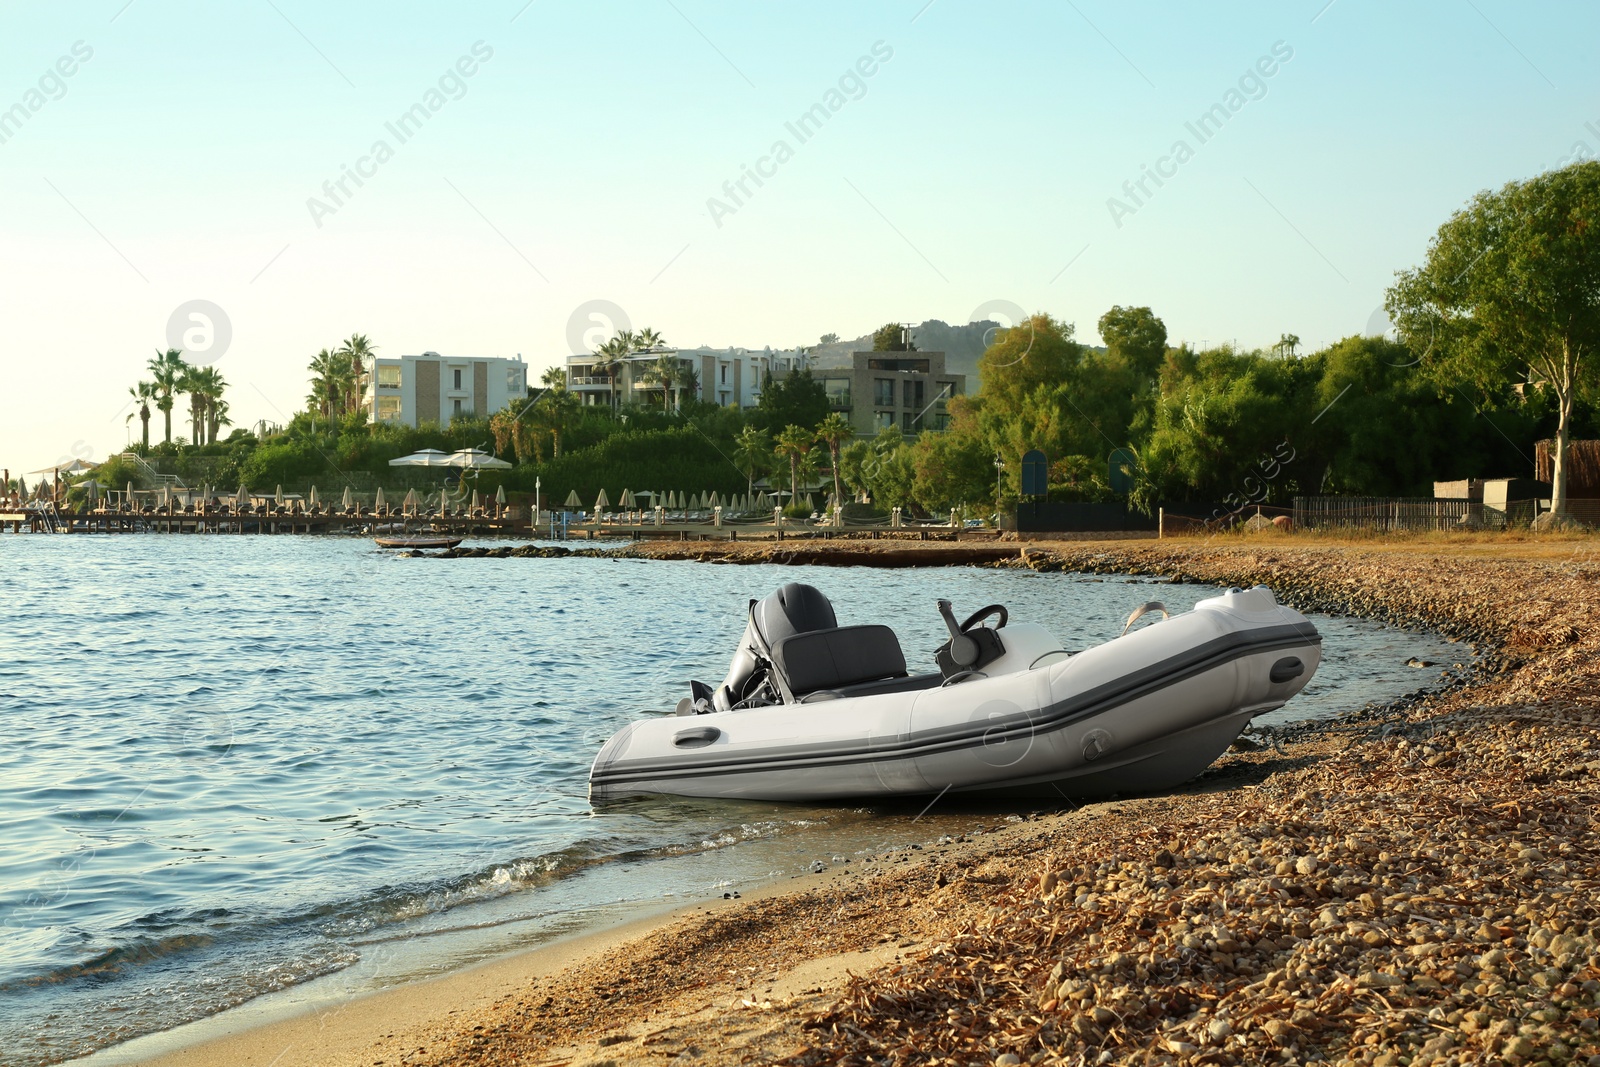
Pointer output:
722, 376
435, 388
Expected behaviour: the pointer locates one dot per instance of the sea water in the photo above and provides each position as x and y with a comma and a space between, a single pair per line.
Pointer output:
299, 766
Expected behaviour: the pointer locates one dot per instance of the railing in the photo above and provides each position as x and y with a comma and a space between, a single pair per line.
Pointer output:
1384, 514
593, 379
153, 476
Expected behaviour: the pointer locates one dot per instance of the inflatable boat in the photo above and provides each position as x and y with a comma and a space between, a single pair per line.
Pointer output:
811, 710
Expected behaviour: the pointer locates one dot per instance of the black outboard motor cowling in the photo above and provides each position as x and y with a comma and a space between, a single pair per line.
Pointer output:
793, 609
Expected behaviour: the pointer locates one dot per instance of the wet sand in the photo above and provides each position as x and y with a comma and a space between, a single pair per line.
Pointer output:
1415, 885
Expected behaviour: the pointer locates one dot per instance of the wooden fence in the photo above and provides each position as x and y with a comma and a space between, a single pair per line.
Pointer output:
1384, 513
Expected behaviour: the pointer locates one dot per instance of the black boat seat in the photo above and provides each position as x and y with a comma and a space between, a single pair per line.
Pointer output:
838, 657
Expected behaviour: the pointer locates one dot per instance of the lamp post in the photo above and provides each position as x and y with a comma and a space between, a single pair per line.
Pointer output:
537, 485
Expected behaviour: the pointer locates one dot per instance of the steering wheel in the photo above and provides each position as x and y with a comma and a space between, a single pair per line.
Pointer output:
983, 613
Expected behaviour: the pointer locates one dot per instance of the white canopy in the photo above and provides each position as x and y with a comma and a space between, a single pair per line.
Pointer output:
77, 466
427, 457
477, 459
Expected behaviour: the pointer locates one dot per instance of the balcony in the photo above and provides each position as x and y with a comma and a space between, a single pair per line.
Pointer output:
592, 381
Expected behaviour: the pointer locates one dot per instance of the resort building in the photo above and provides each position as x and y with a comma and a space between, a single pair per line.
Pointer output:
435, 388
906, 389
721, 376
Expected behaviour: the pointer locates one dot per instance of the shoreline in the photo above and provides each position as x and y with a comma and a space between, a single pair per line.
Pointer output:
1314, 929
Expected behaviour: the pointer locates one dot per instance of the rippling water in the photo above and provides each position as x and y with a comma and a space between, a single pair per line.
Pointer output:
236, 764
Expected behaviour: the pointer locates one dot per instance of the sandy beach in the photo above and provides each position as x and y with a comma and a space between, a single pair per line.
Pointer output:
1412, 885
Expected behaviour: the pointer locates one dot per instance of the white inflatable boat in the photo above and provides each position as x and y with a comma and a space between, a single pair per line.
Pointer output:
812, 710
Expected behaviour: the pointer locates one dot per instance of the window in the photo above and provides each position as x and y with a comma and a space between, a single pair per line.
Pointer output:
389, 376
457, 402
388, 407
724, 370
514, 381
908, 422
916, 366
457, 374
913, 395
880, 419
838, 390
883, 392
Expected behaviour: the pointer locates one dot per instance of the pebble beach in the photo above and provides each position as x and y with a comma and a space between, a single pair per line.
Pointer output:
1413, 884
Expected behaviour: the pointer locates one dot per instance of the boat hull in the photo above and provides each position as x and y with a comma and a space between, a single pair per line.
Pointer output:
1142, 713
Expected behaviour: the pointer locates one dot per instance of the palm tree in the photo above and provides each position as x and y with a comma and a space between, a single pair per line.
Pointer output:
554, 378
665, 370
359, 352
216, 417
205, 386
752, 451
609, 358
144, 392
189, 382
165, 371
834, 431
327, 377
557, 407
647, 338
794, 442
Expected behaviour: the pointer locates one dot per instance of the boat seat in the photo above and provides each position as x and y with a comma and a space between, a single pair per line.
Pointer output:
838, 657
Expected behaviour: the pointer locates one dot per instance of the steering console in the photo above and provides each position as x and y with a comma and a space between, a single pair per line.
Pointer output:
972, 646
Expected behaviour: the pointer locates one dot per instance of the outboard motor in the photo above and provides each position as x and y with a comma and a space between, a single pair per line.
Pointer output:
793, 609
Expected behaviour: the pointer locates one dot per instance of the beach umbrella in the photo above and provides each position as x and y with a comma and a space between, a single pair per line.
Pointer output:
500, 496
425, 457
378, 501
474, 504
573, 501
477, 459
312, 499
277, 497
166, 497
22, 487
130, 494
628, 500
243, 498
349, 499
602, 501
763, 501
809, 505
410, 502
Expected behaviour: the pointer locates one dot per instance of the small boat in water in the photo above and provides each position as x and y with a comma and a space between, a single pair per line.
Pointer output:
811, 710
418, 541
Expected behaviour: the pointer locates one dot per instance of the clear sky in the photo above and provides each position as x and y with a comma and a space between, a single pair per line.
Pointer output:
579, 159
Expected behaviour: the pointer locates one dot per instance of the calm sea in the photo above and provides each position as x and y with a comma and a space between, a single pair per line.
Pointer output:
297, 766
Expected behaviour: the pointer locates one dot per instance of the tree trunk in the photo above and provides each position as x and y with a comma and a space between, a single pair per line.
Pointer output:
1558, 472
166, 415
144, 431
838, 489
794, 477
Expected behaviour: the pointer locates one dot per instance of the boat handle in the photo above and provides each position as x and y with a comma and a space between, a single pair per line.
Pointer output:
1150, 605
961, 676
1286, 669
696, 737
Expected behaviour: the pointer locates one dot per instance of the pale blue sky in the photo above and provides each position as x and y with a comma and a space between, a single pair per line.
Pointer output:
975, 165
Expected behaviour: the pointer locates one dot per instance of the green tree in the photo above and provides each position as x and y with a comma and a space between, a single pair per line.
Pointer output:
752, 449
647, 339
666, 372
793, 442
144, 392
829, 339
833, 432
328, 373
1136, 337
892, 337
554, 378
797, 398
1508, 290
166, 370
358, 353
